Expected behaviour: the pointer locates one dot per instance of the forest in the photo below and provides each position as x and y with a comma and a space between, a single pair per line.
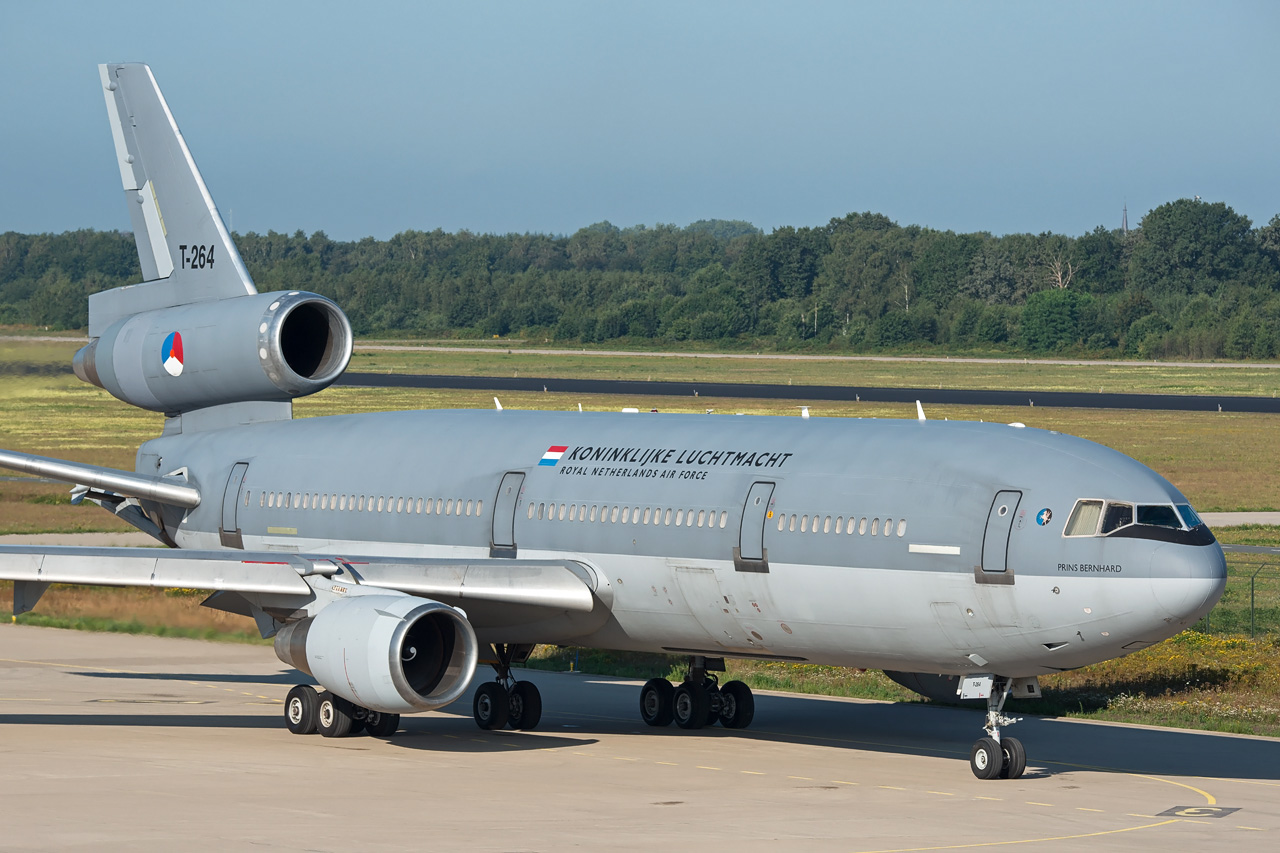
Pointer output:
1194, 280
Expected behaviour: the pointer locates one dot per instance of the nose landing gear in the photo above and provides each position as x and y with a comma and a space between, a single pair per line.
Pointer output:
699, 701
993, 756
505, 701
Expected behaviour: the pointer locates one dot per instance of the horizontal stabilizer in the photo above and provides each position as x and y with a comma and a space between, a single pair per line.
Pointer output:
165, 490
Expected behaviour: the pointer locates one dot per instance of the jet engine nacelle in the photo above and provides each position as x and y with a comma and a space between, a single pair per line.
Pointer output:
389, 652
268, 346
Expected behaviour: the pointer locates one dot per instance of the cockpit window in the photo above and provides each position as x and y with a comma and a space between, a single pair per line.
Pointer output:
1189, 517
1160, 515
1084, 519
1117, 516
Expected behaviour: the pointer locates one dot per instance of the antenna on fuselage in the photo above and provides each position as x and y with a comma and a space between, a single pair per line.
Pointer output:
497, 404
804, 411
919, 411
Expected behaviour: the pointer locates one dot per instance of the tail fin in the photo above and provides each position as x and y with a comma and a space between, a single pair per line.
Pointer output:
183, 245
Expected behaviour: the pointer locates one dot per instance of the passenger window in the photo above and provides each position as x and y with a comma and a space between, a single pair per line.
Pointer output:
469, 505
540, 508
647, 515
400, 504
271, 499
666, 518
826, 524
626, 514
875, 525
791, 528
418, 508
782, 521
902, 527
888, 526
701, 517
724, 517
440, 507
593, 512
839, 523
530, 509
246, 498
804, 523
1116, 516
849, 527
679, 517
1159, 515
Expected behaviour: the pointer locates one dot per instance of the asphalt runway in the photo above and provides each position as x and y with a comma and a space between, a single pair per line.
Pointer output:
111, 742
820, 393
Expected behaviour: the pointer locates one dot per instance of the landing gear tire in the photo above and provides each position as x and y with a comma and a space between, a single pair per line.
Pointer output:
986, 759
381, 725
524, 706
333, 718
714, 702
737, 705
491, 706
1015, 758
691, 705
300, 710
656, 699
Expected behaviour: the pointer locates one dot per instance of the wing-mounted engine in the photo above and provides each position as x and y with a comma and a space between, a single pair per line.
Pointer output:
260, 347
385, 651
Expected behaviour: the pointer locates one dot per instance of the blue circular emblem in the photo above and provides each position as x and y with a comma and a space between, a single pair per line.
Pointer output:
1044, 516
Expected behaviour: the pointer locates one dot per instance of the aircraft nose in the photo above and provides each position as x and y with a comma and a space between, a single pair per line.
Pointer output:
1188, 580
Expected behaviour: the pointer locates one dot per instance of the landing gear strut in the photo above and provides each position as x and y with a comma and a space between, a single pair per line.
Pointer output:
699, 700
307, 712
993, 756
505, 701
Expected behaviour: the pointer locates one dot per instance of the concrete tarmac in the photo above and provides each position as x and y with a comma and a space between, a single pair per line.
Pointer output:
110, 742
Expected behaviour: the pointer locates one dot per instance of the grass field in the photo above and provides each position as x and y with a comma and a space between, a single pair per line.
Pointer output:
1221, 461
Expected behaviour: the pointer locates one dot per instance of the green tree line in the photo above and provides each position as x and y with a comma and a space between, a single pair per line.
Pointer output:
1194, 280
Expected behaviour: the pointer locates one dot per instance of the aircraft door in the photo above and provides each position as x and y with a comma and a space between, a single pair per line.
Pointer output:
229, 531
995, 541
750, 555
502, 542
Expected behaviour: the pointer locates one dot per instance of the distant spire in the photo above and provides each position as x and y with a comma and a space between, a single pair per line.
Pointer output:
1124, 219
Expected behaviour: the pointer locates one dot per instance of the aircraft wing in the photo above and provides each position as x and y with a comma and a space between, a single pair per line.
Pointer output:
489, 585
166, 490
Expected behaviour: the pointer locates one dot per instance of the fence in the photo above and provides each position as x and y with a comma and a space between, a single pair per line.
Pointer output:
1250, 606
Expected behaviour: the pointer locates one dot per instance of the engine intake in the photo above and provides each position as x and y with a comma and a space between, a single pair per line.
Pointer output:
386, 651
269, 347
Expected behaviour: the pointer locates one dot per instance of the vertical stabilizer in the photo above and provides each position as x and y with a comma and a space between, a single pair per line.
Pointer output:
183, 245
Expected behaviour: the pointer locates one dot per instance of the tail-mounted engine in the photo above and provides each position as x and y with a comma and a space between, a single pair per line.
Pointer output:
267, 346
391, 652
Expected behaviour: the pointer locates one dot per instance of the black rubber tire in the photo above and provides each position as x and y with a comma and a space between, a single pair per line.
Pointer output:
333, 715
381, 725
491, 706
737, 705
300, 709
1015, 758
655, 702
986, 759
525, 706
690, 705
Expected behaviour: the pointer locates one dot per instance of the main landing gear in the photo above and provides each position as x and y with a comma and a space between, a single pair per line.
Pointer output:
996, 757
505, 701
699, 700
307, 712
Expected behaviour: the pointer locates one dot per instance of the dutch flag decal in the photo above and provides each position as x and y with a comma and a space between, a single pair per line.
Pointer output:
553, 454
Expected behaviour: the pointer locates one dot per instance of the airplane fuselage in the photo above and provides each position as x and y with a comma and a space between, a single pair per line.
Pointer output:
890, 544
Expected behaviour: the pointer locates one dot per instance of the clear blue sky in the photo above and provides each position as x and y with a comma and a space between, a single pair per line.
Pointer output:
372, 118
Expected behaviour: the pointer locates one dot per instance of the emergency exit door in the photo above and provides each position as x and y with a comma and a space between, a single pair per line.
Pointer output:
750, 555
503, 538
229, 531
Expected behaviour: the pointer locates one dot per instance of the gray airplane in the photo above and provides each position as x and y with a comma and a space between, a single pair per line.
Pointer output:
390, 554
